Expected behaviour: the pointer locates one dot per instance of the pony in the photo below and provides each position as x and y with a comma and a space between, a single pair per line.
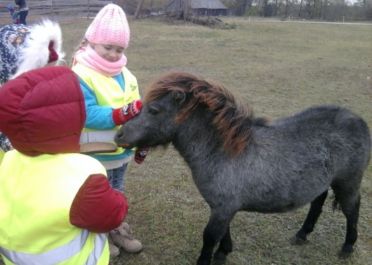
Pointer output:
240, 162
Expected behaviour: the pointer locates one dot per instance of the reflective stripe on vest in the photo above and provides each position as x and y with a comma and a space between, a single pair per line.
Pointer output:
108, 93
61, 253
47, 237
99, 244
97, 136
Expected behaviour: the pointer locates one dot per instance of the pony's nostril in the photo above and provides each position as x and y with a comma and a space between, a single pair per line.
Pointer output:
119, 135
118, 138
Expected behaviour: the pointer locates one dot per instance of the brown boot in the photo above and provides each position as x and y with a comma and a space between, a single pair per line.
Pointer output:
114, 250
122, 237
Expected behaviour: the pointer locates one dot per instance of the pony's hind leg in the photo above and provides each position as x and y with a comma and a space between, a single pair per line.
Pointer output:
311, 218
350, 209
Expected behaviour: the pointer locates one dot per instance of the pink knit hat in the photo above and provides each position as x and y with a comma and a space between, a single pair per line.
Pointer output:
110, 26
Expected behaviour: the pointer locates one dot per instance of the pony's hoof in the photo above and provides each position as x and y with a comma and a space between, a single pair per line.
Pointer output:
203, 262
219, 258
298, 241
346, 252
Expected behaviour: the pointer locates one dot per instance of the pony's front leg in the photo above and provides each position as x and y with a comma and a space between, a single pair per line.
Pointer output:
215, 230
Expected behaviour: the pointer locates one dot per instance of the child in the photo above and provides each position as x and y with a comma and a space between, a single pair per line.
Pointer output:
24, 48
22, 10
14, 14
56, 204
111, 98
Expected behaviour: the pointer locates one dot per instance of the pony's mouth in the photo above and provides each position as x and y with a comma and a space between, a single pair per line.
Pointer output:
124, 145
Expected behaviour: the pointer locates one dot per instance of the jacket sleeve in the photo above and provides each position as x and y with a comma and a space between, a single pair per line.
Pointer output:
98, 117
97, 207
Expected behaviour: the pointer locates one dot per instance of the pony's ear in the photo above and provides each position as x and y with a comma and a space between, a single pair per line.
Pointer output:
179, 97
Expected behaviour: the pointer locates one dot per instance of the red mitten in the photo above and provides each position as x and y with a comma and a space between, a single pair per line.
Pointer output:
141, 154
124, 114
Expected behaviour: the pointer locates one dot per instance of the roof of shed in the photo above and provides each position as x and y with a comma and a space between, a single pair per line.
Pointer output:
176, 5
207, 4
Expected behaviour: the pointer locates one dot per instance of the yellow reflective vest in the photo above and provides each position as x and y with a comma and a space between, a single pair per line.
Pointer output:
36, 194
108, 93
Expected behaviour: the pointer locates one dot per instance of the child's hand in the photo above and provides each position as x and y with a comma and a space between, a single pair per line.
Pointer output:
124, 114
141, 154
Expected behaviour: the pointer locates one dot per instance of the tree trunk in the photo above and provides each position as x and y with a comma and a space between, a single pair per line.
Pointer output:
138, 9
286, 8
186, 9
242, 7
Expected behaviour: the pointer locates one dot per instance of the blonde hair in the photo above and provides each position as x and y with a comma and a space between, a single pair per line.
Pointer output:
83, 43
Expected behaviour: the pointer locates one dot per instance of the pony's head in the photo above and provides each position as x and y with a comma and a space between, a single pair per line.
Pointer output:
172, 99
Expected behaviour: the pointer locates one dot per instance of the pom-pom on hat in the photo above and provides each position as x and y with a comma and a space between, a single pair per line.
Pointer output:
110, 26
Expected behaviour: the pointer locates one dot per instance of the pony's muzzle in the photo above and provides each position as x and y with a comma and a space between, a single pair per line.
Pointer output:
119, 140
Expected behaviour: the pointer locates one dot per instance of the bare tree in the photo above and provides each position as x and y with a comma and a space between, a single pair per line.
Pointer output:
242, 6
299, 13
138, 9
287, 2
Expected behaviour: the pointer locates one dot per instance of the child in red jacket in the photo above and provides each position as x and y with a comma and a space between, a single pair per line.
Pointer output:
56, 204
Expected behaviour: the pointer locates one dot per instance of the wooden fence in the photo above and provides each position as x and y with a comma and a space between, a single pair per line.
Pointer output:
59, 7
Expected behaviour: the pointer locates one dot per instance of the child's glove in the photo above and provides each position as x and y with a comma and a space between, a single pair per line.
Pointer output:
141, 154
124, 114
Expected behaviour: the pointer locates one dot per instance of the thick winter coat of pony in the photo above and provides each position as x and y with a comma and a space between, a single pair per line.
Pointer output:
239, 162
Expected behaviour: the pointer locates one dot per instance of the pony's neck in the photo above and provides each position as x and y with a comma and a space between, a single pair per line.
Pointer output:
197, 138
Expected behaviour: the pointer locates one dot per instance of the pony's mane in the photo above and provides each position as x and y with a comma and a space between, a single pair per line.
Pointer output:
232, 120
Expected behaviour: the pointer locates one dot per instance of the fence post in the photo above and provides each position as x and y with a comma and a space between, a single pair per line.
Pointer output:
88, 9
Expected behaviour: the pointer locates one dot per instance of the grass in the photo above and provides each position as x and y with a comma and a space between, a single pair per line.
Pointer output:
277, 68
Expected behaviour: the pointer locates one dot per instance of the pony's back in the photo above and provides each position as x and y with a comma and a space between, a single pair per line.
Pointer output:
344, 133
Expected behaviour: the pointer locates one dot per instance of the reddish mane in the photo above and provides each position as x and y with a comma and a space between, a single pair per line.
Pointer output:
231, 119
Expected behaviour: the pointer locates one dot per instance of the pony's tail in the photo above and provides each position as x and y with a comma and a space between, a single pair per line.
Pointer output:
42, 46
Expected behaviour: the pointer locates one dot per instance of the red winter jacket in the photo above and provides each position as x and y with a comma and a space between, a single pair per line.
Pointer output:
43, 112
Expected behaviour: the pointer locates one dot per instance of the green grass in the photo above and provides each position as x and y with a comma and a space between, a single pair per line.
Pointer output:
277, 68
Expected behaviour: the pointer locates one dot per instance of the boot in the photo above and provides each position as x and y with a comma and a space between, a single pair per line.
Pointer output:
114, 250
122, 237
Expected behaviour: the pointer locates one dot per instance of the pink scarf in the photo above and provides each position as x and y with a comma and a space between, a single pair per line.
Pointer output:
90, 58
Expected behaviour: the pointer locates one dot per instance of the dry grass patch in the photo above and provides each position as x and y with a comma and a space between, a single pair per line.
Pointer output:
277, 68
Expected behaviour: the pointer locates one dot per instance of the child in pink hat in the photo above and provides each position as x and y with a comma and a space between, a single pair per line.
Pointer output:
111, 98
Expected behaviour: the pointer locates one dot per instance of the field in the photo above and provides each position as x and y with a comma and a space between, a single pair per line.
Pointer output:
278, 69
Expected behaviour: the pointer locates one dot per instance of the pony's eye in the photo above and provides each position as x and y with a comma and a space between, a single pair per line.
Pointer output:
154, 110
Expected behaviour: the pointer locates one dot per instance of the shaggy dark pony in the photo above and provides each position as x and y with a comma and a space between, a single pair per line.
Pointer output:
232, 121
239, 162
